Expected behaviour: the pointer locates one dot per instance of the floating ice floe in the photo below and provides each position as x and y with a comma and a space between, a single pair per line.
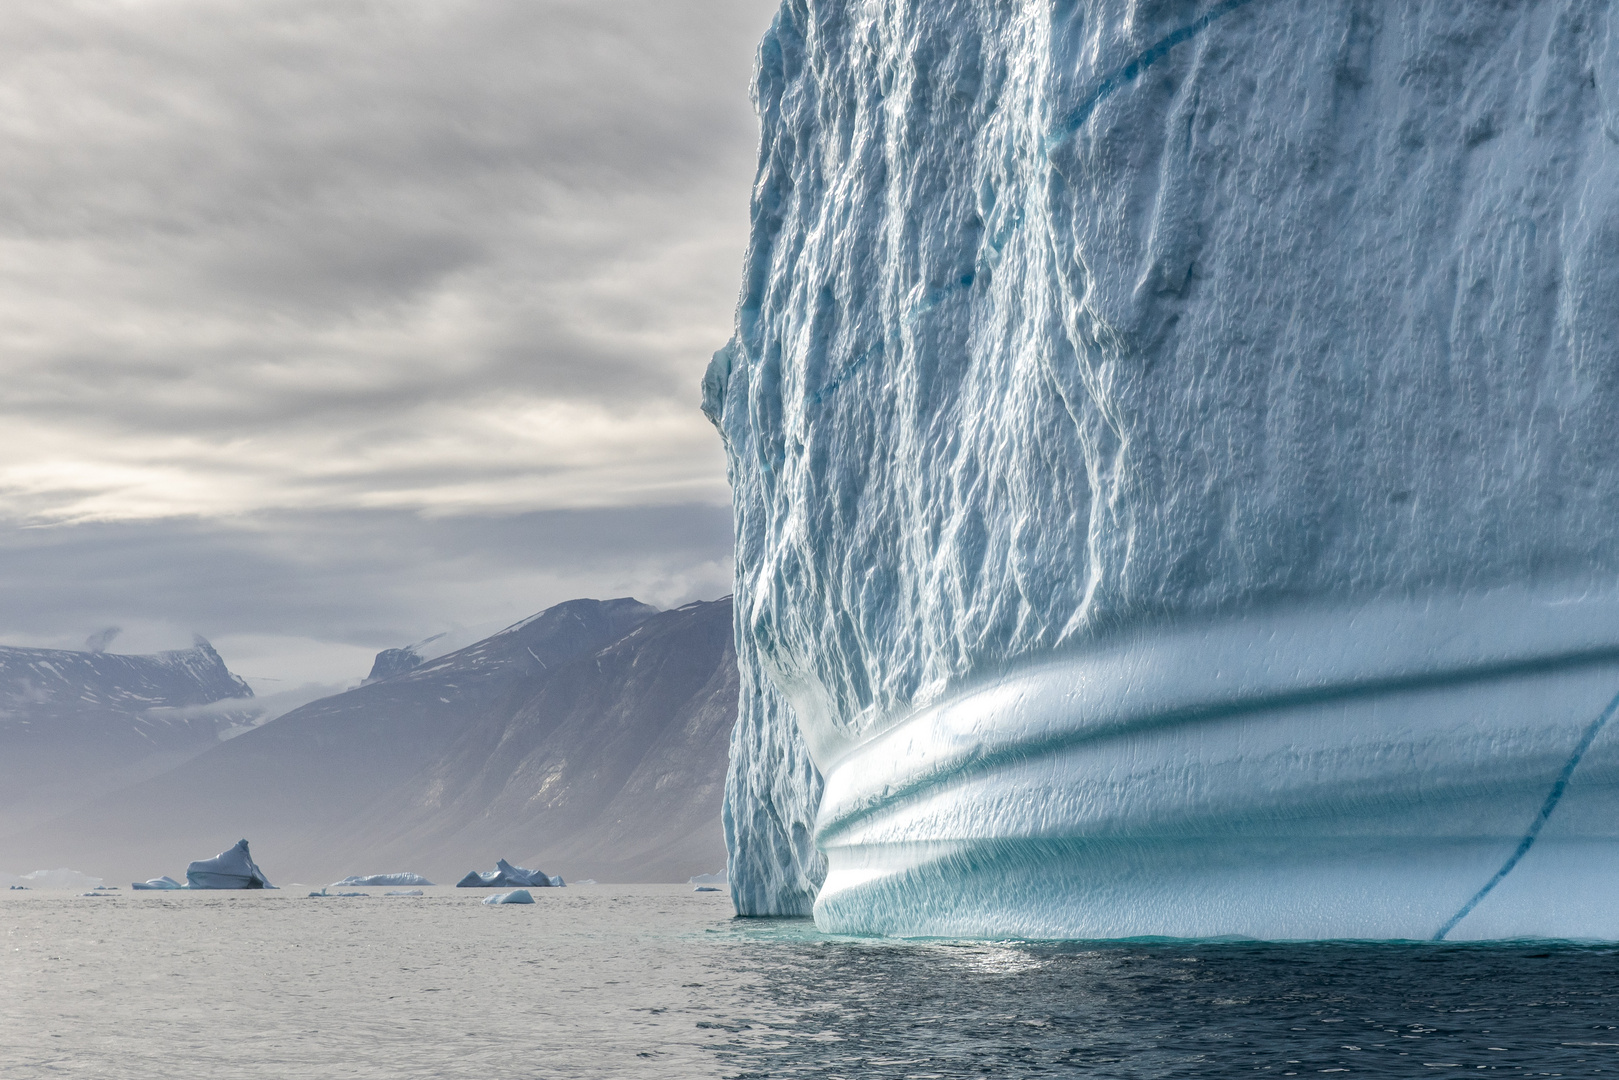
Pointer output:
380, 879
517, 896
706, 888
164, 882
404, 892
324, 893
505, 874
230, 869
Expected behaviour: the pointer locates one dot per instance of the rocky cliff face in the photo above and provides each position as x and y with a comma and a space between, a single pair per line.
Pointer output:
1066, 325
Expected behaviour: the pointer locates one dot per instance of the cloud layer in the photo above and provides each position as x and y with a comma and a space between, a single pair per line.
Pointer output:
455, 256
325, 324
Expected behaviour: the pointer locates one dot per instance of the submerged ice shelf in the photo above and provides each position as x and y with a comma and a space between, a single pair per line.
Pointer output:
1172, 460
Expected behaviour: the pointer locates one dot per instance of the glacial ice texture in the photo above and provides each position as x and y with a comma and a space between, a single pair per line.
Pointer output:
1173, 457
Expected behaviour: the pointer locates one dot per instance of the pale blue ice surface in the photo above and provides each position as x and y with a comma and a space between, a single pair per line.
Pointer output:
1173, 468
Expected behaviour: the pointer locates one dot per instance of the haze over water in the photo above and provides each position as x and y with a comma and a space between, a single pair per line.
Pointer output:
658, 981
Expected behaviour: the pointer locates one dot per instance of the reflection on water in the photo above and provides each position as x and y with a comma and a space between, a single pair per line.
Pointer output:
862, 1008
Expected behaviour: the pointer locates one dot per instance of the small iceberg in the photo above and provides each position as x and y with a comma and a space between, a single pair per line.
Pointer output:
230, 869
403, 892
706, 888
505, 874
516, 896
379, 880
164, 882
323, 892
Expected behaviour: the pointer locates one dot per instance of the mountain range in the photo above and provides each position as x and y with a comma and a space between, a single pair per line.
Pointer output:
589, 740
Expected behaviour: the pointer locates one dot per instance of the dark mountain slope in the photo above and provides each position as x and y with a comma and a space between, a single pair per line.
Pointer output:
614, 766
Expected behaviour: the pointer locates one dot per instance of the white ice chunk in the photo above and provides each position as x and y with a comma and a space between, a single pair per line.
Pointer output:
230, 869
517, 896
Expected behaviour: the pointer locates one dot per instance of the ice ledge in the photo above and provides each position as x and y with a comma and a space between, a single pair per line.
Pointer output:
1258, 662
1198, 781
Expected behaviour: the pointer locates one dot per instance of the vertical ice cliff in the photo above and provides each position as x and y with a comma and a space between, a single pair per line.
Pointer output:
1175, 449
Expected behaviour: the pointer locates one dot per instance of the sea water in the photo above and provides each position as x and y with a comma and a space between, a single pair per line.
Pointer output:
659, 981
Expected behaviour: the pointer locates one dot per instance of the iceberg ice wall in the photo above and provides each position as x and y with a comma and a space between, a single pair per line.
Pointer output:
1175, 450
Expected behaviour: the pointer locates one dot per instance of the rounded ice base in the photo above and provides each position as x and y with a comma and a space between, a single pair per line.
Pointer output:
1364, 774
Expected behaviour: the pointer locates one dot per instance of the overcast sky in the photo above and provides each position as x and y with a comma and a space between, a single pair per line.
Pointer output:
326, 324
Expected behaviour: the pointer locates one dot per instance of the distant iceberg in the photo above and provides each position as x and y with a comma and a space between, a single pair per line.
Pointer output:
60, 878
164, 882
709, 879
505, 874
379, 880
230, 869
518, 896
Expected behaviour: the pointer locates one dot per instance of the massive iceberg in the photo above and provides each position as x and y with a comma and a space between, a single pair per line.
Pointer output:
1173, 456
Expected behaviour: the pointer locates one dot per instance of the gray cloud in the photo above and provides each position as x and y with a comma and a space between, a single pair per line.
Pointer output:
325, 324
332, 226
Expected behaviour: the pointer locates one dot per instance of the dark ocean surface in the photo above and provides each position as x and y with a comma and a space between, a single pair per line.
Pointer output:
851, 1008
611, 981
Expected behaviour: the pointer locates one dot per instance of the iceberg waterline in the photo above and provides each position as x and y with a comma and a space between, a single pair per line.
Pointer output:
1172, 482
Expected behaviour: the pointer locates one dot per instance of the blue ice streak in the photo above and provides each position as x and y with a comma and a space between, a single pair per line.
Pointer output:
1552, 799
1120, 77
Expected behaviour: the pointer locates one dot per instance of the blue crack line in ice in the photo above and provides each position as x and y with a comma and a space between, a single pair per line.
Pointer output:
1120, 77
1103, 89
1552, 799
